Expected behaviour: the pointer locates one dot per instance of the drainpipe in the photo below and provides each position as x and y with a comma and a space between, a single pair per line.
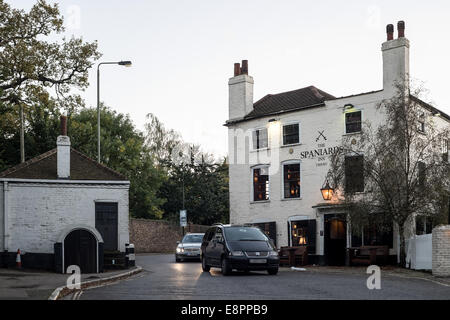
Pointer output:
5, 216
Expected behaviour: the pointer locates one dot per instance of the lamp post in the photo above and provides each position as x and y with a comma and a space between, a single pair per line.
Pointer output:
120, 63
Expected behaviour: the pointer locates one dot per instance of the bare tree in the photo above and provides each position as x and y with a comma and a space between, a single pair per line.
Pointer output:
406, 169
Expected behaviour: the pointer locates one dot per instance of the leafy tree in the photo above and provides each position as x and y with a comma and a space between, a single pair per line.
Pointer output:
123, 150
41, 128
404, 171
205, 188
29, 65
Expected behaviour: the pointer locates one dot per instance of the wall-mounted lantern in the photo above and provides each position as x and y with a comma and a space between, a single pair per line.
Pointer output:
327, 191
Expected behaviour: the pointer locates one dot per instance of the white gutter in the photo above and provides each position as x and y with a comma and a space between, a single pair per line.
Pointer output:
5, 216
62, 181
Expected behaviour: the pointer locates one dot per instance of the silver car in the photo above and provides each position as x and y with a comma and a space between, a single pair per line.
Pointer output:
189, 247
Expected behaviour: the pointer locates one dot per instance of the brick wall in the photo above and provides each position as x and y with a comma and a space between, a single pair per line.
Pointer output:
441, 251
158, 236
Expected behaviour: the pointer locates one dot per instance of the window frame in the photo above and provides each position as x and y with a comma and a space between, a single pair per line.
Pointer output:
353, 110
421, 123
253, 143
252, 176
288, 162
290, 123
345, 175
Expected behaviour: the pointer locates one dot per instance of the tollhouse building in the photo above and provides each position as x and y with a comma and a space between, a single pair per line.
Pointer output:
279, 148
62, 208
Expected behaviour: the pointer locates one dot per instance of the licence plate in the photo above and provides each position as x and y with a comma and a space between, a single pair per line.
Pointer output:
258, 260
192, 253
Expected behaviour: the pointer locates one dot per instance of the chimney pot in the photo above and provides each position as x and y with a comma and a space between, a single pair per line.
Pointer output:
401, 29
390, 32
244, 69
237, 69
63, 120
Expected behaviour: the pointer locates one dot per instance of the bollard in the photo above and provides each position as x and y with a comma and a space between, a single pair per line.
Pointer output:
130, 257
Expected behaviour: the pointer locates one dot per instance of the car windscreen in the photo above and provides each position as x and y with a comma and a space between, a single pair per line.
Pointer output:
244, 234
192, 238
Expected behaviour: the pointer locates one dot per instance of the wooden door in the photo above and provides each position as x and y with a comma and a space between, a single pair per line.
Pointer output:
80, 249
106, 222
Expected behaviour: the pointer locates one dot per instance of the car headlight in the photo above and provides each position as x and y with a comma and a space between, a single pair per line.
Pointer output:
180, 249
273, 253
236, 253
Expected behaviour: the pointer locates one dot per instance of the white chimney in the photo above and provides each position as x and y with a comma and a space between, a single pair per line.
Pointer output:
395, 60
63, 151
240, 92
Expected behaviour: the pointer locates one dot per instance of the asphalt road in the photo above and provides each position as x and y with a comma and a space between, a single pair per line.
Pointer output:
166, 279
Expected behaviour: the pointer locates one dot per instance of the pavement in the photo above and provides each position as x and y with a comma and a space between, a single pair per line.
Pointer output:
39, 285
163, 278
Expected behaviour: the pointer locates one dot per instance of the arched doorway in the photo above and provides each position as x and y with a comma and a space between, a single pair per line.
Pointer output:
80, 248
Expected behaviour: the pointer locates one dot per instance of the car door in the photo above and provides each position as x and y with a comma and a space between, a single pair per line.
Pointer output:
209, 246
217, 246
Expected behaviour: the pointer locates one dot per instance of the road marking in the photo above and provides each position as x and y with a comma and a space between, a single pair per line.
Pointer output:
420, 278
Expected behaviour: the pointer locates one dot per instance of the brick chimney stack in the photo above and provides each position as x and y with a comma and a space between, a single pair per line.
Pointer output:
240, 91
63, 151
395, 60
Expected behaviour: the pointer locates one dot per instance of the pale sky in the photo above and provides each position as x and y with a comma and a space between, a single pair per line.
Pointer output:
183, 53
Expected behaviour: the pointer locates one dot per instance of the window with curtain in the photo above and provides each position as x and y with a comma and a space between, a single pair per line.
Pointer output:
260, 139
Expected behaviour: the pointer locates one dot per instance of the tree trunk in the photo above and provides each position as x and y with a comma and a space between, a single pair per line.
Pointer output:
402, 246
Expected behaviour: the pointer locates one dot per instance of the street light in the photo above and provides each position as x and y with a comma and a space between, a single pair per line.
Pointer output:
120, 63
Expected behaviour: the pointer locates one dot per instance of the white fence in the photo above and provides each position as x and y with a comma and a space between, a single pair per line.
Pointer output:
419, 252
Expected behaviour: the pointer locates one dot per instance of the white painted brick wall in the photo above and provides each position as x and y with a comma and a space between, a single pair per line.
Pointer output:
38, 213
329, 118
441, 251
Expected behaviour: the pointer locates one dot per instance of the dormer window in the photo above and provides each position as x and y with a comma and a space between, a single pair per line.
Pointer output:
260, 139
353, 122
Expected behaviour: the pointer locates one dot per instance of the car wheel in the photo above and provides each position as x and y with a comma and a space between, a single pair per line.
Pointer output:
205, 267
273, 271
177, 259
226, 268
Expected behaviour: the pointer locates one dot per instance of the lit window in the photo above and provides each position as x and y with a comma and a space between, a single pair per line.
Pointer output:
260, 139
261, 184
291, 180
291, 134
353, 122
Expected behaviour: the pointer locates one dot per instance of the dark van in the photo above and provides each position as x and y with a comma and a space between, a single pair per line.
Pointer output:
234, 247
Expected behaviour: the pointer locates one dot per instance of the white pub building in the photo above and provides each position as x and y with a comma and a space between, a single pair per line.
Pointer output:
279, 149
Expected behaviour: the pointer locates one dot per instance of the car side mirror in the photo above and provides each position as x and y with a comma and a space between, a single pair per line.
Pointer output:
178, 242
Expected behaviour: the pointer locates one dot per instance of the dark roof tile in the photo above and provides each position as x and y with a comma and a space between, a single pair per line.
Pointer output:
289, 101
44, 167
